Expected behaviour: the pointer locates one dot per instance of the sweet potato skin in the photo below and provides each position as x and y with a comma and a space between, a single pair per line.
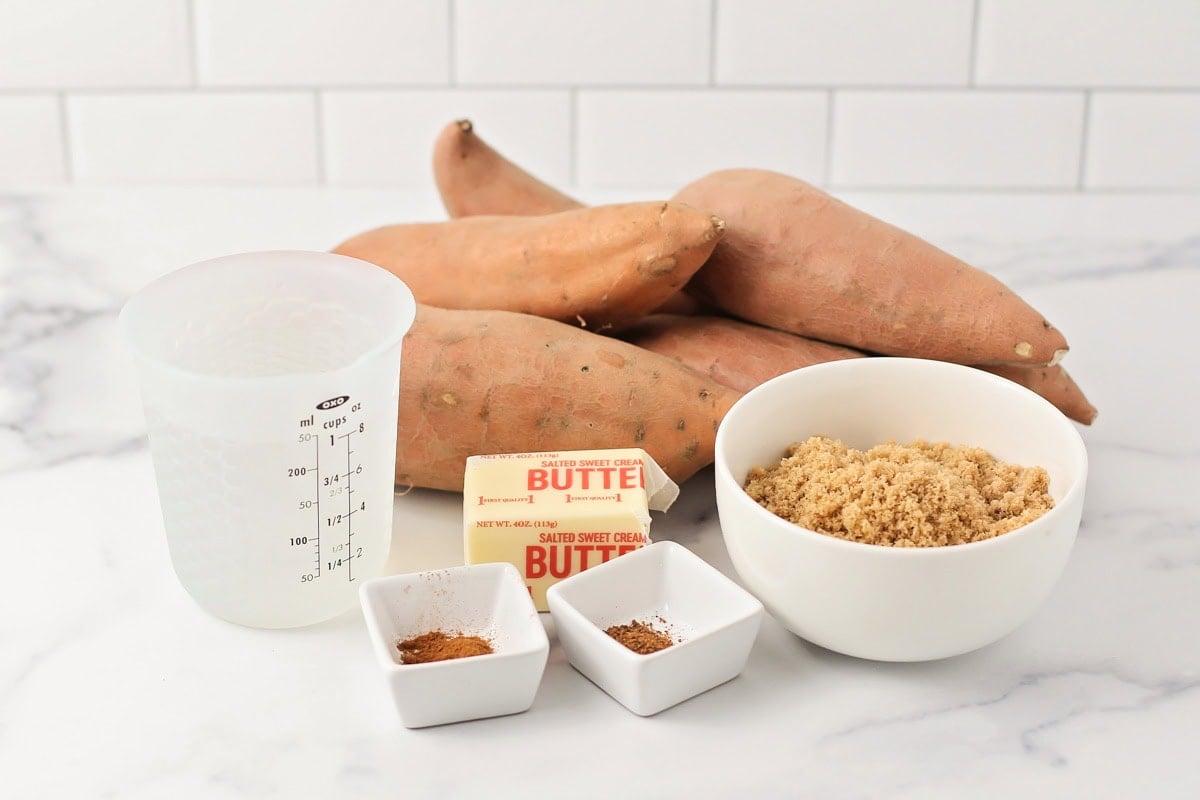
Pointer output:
482, 382
598, 267
796, 259
735, 354
1054, 384
741, 356
473, 178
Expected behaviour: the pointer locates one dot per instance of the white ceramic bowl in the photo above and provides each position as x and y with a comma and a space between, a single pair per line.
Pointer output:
884, 603
715, 618
488, 600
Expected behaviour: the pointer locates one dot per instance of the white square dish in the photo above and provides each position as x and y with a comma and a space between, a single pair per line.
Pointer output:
487, 600
713, 620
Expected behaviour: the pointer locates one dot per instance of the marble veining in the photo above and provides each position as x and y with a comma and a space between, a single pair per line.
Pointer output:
1125, 694
113, 683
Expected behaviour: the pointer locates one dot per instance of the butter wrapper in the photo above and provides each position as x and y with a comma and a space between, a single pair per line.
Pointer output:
555, 514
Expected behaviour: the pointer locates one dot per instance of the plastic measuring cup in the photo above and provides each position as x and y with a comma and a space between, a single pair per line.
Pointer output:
270, 383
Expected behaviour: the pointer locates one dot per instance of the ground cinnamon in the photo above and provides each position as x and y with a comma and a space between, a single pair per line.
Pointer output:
640, 637
442, 646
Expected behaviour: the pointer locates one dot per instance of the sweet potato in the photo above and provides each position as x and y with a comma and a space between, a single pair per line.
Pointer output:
741, 356
734, 354
796, 259
498, 382
474, 179
598, 267
1054, 384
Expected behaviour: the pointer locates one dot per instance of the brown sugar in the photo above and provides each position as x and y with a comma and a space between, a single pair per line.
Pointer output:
640, 637
915, 495
441, 646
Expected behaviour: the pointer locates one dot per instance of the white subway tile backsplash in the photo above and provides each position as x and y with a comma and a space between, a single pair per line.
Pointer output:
243, 137
55, 44
1089, 43
843, 42
957, 139
586, 42
31, 146
322, 42
610, 95
669, 138
386, 138
1144, 140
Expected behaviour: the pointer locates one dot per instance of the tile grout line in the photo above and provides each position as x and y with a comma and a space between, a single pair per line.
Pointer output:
319, 137
712, 43
974, 50
451, 44
978, 189
1083, 140
573, 138
608, 87
64, 132
193, 44
827, 178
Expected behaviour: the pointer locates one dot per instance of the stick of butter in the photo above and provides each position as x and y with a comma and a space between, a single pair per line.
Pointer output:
555, 514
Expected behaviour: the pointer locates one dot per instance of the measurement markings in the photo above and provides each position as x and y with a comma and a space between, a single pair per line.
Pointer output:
349, 511
317, 470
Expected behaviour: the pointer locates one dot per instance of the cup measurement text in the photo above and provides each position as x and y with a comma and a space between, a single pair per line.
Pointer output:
327, 438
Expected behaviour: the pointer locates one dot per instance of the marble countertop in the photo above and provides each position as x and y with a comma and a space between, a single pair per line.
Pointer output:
114, 684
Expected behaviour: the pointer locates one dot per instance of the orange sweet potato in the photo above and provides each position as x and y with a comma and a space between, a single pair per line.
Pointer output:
599, 267
741, 356
474, 179
735, 354
796, 259
1054, 384
481, 382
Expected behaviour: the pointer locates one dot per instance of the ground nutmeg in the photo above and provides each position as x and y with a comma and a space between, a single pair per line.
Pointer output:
640, 637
